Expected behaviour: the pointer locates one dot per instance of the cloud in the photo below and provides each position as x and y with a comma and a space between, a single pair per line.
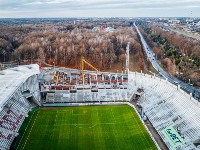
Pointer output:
55, 6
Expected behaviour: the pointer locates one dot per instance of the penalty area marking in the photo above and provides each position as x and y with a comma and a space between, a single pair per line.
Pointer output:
78, 125
83, 113
84, 125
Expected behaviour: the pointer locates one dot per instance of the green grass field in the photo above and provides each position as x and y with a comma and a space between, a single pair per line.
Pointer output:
114, 127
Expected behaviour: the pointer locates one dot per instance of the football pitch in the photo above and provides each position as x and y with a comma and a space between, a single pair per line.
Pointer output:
115, 127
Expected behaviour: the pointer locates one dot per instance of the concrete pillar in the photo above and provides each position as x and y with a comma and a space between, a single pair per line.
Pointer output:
178, 87
90, 78
102, 77
70, 78
190, 95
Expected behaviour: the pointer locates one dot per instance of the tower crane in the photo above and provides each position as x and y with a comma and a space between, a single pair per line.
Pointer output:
55, 76
83, 62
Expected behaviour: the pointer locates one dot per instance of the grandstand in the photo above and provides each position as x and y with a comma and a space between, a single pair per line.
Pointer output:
67, 86
174, 114
19, 93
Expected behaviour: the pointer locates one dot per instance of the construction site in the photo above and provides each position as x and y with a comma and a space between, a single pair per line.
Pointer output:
167, 109
65, 85
62, 86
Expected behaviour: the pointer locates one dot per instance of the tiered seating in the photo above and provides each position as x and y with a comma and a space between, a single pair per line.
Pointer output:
11, 118
60, 96
167, 106
13, 106
5, 138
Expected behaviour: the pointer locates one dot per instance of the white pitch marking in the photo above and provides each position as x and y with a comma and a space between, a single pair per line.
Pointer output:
26, 129
141, 131
30, 130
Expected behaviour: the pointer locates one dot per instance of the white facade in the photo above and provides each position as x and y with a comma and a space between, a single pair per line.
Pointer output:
17, 85
164, 103
14, 78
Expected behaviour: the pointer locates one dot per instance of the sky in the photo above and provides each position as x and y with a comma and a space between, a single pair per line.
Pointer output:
99, 8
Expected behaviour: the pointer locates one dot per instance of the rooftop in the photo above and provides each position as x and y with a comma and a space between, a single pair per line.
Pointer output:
11, 79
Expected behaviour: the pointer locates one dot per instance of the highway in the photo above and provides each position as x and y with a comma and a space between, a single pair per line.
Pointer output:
151, 56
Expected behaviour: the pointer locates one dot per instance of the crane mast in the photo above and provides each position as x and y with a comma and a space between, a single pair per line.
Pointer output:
55, 76
83, 62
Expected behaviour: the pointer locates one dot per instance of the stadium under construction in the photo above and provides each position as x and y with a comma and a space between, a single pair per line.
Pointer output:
174, 114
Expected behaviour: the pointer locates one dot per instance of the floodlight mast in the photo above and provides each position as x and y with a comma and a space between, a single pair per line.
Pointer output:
127, 59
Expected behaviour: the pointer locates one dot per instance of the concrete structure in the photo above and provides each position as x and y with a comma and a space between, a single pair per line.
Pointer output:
19, 79
166, 106
19, 93
67, 86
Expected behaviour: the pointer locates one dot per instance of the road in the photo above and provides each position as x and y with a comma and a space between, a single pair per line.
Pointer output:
164, 74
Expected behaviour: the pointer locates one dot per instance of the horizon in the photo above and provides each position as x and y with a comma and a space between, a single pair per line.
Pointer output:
79, 17
98, 8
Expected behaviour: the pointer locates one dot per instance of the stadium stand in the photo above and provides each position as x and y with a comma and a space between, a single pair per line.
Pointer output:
173, 113
14, 105
170, 109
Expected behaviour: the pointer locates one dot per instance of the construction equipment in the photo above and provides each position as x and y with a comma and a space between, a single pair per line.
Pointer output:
83, 61
54, 74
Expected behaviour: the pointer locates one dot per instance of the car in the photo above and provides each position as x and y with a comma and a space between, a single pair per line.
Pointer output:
190, 84
176, 82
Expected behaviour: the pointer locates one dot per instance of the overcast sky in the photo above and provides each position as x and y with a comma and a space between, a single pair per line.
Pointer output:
99, 8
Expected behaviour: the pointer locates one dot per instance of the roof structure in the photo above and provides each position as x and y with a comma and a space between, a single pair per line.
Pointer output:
11, 79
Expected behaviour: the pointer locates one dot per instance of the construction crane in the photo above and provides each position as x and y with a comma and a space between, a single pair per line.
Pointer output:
54, 74
83, 61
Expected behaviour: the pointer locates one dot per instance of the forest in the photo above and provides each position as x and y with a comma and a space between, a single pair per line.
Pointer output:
180, 56
64, 43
